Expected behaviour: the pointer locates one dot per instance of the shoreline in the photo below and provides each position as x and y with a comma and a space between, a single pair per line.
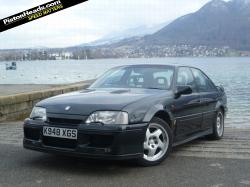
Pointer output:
93, 59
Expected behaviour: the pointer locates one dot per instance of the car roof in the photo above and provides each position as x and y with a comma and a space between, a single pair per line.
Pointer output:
146, 65
156, 65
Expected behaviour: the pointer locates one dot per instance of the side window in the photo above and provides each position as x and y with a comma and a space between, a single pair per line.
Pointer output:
203, 83
185, 78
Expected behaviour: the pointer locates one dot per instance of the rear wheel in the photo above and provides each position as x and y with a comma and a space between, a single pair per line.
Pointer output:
157, 144
218, 126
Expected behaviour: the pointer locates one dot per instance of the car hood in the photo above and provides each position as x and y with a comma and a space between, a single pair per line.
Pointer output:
88, 101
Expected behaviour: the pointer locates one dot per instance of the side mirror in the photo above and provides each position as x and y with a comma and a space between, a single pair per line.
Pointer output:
86, 86
182, 90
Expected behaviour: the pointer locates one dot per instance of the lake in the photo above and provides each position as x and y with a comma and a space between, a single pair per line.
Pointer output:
232, 73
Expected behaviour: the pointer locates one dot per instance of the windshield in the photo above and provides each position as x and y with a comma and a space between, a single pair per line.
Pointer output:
136, 77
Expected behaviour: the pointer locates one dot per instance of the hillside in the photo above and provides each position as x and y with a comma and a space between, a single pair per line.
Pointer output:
216, 24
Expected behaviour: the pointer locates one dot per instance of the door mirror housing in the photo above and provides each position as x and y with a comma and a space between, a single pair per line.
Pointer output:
182, 90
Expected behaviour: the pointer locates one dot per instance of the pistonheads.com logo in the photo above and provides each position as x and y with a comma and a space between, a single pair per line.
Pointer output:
37, 12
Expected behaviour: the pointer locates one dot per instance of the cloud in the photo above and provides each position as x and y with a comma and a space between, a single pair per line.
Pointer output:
89, 21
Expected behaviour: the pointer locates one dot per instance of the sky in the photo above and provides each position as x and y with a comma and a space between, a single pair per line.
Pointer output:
88, 21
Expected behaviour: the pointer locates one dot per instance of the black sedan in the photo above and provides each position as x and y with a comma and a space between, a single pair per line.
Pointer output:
131, 112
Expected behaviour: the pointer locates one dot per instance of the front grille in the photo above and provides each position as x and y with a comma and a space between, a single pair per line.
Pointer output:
59, 142
100, 141
95, 140
64, 121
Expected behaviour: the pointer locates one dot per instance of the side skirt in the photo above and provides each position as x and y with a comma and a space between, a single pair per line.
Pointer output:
195, 136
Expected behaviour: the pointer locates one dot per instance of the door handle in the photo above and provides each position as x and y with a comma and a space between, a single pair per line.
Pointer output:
193, 103
205, 101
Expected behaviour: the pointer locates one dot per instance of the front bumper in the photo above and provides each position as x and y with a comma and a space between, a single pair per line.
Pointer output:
94, 141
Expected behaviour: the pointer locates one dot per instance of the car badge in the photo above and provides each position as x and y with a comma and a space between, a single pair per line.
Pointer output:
68, 108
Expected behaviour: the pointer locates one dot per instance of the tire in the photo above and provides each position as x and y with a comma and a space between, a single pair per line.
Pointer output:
218, 126
158, 143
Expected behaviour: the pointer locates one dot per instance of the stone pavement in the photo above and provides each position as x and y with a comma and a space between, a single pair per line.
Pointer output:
12, 89
224, 163
234, 145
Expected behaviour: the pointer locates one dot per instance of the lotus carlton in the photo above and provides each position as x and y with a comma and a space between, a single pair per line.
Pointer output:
131, 112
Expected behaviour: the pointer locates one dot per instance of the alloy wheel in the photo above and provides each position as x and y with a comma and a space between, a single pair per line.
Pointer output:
156, 142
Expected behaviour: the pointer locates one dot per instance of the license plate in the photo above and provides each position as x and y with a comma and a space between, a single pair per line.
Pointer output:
60, 132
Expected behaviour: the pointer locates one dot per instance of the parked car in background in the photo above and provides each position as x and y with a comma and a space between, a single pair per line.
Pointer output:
131, 112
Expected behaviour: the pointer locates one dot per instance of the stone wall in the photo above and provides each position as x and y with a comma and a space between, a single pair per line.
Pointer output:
18, 107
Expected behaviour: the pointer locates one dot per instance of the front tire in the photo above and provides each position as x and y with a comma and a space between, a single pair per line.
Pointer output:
218, 126
157, 144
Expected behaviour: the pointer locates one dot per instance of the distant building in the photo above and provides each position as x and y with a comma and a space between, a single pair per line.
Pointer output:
62, 56
67, 55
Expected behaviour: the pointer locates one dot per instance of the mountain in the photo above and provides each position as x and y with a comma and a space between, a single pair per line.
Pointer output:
219, 28
216, 24
128, 33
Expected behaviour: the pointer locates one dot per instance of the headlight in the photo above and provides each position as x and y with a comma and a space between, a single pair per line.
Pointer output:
38, 113
108, 117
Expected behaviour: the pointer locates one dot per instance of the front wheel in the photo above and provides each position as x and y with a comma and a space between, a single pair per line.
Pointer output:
157, 144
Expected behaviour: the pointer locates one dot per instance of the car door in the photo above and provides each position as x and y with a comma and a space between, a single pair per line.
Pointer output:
187, 108
209, 95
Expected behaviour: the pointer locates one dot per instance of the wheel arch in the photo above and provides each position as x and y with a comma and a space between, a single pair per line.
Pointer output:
160, 112
165, 117
220, 106
222, 109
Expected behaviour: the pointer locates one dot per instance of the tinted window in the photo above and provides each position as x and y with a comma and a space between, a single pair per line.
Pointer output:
163, 79
185, 78
137, 77
202, 81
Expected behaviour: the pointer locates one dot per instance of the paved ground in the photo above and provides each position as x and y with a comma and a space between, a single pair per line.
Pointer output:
12, 89
199, 163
